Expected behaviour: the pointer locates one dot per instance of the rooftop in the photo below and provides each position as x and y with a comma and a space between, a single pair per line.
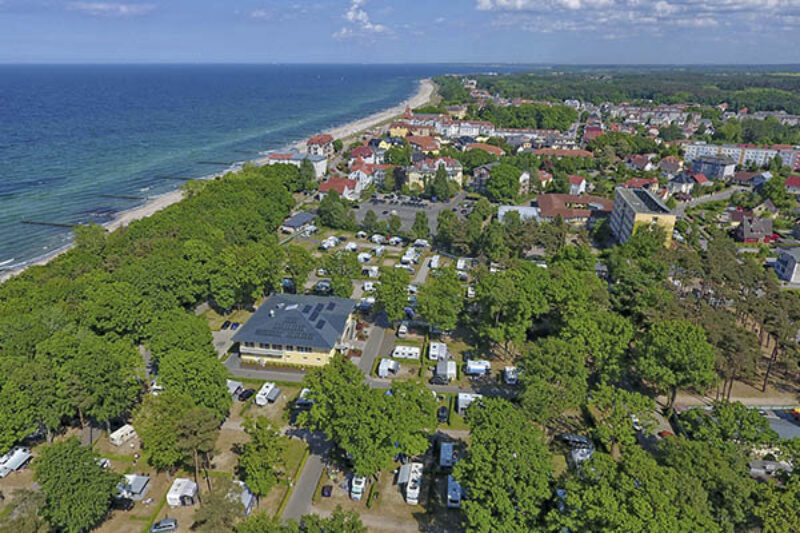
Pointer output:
642, 201
299, 220
298, 320
569, 206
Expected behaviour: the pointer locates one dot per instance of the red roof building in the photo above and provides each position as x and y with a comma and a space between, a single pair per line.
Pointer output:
641, 183
345, 187
423, 143
559, 153
793, 184
489, 148
573, 208
321, 144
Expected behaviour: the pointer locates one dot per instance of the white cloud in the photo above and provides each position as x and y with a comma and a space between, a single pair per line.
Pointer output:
107, 9
359, 23
627, 17
261, 14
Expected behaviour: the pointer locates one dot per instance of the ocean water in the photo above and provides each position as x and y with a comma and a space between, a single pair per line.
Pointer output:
81, 143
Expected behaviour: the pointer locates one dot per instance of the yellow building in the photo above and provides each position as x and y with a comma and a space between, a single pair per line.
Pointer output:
634, 208
399, 129
294, 329
426, 170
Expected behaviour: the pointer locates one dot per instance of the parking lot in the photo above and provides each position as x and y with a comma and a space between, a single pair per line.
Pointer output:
406, 209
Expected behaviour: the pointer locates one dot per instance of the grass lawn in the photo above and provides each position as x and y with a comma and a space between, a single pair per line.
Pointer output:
215, 320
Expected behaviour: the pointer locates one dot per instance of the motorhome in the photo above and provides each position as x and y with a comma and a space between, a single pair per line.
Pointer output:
268, 393
454, 493
122, 435
410, 480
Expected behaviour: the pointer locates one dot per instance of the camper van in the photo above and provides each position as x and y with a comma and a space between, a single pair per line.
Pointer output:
183, 492
122, 435
268, 393
15, 459
410, 479
446, 458
453, 493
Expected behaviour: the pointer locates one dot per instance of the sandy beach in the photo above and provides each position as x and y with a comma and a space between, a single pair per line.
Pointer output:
157, 203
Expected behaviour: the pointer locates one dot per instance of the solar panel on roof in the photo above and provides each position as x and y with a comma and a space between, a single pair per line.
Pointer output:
306, 309
319, 308
331, 306
320, 324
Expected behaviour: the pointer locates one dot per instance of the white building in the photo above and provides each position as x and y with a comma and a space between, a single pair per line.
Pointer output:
437, 350
320, 163
745, 153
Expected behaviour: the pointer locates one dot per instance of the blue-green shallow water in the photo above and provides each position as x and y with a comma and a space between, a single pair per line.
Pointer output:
70, 134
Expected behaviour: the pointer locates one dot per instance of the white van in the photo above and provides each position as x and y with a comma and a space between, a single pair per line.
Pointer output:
357, 487
402, 331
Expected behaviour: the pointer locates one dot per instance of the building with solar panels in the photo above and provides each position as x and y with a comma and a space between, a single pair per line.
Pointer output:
296, 329
634, 208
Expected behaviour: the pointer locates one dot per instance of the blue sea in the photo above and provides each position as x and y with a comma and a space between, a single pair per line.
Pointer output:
81, 143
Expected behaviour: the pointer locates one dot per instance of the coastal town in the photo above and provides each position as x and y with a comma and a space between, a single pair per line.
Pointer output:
486, 310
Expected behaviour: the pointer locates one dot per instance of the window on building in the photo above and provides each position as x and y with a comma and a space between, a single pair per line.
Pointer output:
277, 347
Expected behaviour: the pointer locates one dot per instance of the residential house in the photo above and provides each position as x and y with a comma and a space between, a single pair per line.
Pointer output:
320, 145
524, 213
319, 162
366, 174
425, 144
760, 179
651, 184
560, 153
481, 175
297, 222
793, 184
590, 133
743, 178
297, 329
573, 209
637, 207
362, 154
577, 185
399, 129
641, 162
545, 179
347, 188
765, 209
426, 169
786, 265
488, 148
670, 165
681, 184
752, 230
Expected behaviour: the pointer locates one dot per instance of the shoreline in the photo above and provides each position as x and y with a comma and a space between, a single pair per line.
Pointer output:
425, 91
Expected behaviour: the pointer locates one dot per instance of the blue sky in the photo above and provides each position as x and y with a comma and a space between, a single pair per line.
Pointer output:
401, 31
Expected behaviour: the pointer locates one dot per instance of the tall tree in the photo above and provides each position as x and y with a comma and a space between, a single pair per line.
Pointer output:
441, 299
370, 222
616, 409
156, 421
420, 229
392, 293
675, 354
261, 456
199, 376
299, 263
606, 337
506, 469
221, 508
554, 378
504, 183
77, 490
196, 433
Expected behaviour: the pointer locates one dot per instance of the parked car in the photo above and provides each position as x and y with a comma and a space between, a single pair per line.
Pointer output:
122, 504
246, 394
235, 326
226, 324
441, 413
357, 487
162, 526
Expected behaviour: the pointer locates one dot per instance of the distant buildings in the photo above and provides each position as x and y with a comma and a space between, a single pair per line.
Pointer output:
634, 208
296, 329
745, 153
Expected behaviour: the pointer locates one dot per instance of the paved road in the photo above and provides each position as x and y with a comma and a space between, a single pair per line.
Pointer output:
223, 340
722, 195
300, 500
374, 344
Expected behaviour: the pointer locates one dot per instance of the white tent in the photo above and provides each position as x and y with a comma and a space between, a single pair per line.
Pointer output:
182, 492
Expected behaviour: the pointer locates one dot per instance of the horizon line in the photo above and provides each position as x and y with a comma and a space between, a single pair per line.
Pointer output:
387, 63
